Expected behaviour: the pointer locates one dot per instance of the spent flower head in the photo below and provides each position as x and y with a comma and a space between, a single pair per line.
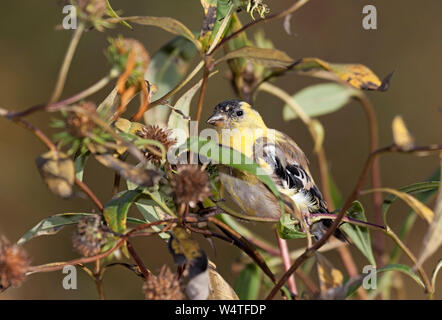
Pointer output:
165, 286
156, 133
89, 236
191, 184
14, 263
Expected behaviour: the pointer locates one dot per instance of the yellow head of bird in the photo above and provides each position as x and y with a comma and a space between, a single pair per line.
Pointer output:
232, 114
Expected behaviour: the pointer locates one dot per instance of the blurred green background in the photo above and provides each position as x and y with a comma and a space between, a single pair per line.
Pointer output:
408, 41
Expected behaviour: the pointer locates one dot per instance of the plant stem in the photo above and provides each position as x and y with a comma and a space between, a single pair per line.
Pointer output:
375, 173
56, 106
62, 75
202, 94
178, 87
422, 273
285, 256
90, 194
146, 273
98, 280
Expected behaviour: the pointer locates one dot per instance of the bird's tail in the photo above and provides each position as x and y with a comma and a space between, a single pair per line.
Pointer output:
321, 227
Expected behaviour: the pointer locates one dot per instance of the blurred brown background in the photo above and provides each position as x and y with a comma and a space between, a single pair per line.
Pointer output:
408, 41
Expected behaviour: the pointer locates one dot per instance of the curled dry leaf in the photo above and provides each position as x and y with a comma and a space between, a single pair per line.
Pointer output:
219, 288
402, 138
356, 75
263, 56
138, 175
58, 171
433, 238
421, 209
329, 276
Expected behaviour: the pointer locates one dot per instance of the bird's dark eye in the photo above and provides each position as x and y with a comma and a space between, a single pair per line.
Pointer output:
239, 113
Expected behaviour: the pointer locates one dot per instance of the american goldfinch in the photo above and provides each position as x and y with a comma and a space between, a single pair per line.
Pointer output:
240, 127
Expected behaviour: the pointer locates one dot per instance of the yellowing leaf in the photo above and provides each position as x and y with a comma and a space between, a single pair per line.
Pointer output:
356, 75
401, 136
183, 244
433, 238
219, 289
263, 56
329, 276
58, 171
128, 126
421, 209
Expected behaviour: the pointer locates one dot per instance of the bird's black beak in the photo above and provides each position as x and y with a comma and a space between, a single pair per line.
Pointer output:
217, 119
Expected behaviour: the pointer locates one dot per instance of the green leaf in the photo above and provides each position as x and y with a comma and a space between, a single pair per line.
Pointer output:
249, 282
358, 234
111, 12
80, 163
405, 270
51, 225
263, 56
222, 10
356, 282
167, 69
169, 24
115, 211
231, 158
148, 208
287, 228
320, 99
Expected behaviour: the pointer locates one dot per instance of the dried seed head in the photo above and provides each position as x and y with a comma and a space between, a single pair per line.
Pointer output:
14, 263
191, 185
162, 135
165, 286
79, 124
89, 237
130, 57
93, 8
142, 57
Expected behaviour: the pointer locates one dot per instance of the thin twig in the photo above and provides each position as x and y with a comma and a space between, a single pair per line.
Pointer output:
98, 280
375, 173
56, 106
62, 75
58, 266
90, 194
146, 273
